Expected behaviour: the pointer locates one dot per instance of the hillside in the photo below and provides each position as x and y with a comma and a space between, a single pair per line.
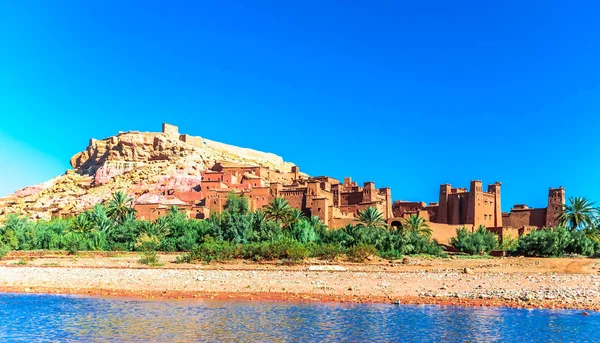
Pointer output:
142, 164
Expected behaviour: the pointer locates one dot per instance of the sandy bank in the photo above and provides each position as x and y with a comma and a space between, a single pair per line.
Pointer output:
515, 282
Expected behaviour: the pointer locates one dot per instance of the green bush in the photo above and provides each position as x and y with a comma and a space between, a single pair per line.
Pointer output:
210, 251
479, 242
360, 252
556, 242
328, 251
4, 249
150, 258
509, 244
286, 249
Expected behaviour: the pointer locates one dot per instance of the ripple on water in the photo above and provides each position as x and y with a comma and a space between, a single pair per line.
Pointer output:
56, 318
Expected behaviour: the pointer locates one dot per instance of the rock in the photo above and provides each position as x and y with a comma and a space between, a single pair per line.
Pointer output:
135, 163
468, 271
406, 260
327, 268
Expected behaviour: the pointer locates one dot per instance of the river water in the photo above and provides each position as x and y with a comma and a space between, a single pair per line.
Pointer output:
59, 318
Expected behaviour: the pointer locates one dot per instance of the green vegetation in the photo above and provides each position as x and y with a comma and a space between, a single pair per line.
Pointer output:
555, 242
479, 242
579, 213
280, 232
277, 233
360, 252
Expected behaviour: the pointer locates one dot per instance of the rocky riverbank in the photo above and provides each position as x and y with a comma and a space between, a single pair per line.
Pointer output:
515, 282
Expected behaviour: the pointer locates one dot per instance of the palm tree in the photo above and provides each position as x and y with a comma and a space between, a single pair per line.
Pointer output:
278, 210
317, 224
120, 207
415, 224
580, 213
295, 216
371, 217
82, 224
99, 218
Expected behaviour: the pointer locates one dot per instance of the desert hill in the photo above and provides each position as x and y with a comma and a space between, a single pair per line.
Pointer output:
143, 164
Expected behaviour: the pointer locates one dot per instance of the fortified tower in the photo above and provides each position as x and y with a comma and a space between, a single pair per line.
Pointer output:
497, 214
556, 204
442, 215
474, 209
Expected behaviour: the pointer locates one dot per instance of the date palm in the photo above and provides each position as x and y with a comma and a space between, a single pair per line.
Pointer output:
278, 210
371, 217
82, 224
416, 224
295, 216
119, 207
579, 213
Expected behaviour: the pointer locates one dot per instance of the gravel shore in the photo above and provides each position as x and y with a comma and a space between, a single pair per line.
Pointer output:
572, 283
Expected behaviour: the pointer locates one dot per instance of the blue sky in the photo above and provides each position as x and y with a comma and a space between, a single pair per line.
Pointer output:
407, 94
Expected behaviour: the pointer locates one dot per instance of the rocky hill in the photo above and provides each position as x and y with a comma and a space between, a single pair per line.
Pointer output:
147, 163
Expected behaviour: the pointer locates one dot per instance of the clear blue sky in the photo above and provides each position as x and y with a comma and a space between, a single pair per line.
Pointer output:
407, 94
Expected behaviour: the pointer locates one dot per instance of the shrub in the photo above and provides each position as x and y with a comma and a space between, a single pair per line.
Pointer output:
581, 244
546, 242
556, 242
303, 232
328, 251
287, 249
4, 249
210, 251
509, 244
478, 242
360, 252
412, 243
74, 242
150, 258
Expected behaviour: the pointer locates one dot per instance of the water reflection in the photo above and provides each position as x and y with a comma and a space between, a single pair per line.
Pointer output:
50, 318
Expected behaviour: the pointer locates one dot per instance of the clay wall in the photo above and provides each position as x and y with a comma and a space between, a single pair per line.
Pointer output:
192, 140
169, 129
258, 198
556, 202
504, 232
189, 197
527, 217
209, 185
230, 179
400, 207
320, 208
484, 210
295, 197
253, 182
442, 233
151, 211
213, 176
457, 208
350, 198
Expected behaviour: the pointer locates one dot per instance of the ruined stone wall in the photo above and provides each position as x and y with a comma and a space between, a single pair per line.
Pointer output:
170, 130
192, 140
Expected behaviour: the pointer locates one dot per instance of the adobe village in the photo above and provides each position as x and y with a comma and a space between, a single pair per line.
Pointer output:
167, 214
166, 169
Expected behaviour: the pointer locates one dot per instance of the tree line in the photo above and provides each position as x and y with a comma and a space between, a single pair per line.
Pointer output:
281, 232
